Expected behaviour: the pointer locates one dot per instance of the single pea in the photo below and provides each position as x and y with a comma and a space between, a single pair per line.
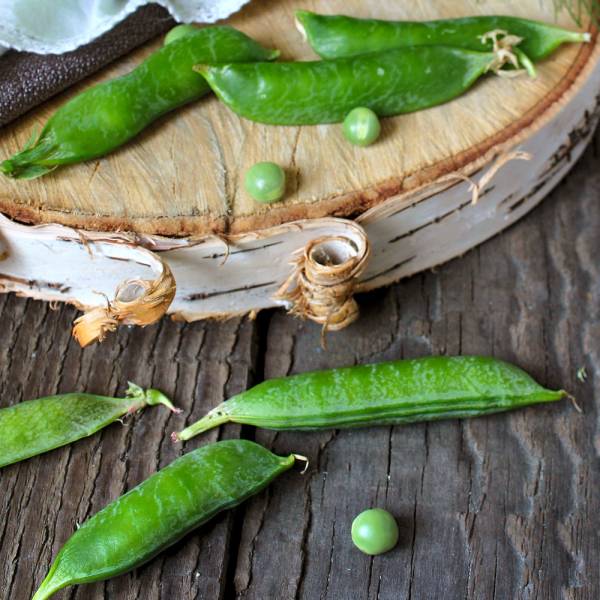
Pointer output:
361, 126
265, 182
374, 531
178, 32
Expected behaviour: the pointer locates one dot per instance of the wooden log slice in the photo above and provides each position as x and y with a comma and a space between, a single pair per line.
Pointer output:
183, 176
403, 204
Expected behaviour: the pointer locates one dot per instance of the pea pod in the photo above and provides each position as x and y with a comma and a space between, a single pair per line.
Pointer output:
335, 36
37, 426
161, 510
107, 115
389, 393
308, 93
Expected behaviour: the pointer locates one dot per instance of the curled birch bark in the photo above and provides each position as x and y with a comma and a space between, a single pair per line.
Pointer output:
325, 274
137, 302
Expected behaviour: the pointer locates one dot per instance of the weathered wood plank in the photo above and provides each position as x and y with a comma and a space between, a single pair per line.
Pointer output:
499, 507
42, 499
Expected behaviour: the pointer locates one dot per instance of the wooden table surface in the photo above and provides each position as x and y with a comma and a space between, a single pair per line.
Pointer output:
500, 507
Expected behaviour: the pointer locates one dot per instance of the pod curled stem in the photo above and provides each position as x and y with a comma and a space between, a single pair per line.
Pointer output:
573, 401
304, 459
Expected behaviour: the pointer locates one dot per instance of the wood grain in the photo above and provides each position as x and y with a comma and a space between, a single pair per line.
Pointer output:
498, 507
183, 175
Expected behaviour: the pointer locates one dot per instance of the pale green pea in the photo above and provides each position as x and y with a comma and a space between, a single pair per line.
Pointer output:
265, 182
361, 126
374, 531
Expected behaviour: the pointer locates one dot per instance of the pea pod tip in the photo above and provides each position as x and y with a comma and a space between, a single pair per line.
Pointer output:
19, 169
6, 167
48, 588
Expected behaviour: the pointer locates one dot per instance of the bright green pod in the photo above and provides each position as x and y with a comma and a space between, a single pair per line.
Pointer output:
388, 393
335, 36
37, 426
161, 510
308, 93
107, 115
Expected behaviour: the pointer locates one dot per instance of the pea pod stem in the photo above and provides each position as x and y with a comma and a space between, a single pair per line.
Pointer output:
526, 62
214, 418
37, 426
149, 397
390, 393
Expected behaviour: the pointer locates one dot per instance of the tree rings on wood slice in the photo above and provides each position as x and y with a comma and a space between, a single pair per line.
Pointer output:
407, 201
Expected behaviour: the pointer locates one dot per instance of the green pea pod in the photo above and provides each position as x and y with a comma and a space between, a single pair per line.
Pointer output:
107, 115
389, 393
335, 36
309, 93
37, 426
161, 510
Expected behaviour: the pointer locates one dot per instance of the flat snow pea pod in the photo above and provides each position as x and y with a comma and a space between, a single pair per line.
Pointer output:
37, 426
107, 115
308, 93
389, 393
335, 36
161, 510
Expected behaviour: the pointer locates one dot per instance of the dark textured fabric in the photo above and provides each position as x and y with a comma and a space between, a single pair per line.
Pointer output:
27, 79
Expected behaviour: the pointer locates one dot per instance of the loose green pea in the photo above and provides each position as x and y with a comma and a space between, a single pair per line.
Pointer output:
265, 182
178, 32
361, 126
374, 531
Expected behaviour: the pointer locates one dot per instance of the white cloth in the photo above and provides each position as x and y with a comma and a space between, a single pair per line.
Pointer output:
56, 26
